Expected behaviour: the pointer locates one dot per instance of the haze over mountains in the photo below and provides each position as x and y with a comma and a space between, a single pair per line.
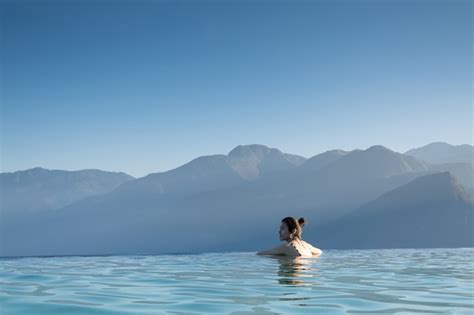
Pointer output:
458, 160
440, 152
371, 198
431, 211
41, 189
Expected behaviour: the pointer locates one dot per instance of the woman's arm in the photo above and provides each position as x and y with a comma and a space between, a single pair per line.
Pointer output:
278, 250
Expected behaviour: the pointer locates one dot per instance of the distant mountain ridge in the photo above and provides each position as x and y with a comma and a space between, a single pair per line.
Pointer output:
376, 161
464, 172
253, 161
431, 211
38, 188
441, 152
214, 198
456, 159
242, 164
322, 160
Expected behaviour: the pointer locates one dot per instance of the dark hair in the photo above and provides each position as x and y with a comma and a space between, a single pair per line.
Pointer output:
294, 226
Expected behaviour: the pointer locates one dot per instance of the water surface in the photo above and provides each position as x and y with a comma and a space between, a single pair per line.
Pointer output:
407, 281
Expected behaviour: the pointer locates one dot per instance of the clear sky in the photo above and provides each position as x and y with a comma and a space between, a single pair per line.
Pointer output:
145, 86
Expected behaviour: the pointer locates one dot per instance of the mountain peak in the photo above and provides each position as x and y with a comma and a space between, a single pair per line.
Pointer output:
252, 161
440, 143
35, 170
258, 149
337, 151
378, 148
376, 161
39, 189
441, 152
452, 182
430, 211
433, 188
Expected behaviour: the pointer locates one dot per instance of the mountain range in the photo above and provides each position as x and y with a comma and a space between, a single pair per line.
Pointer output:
373, 198
431, 211
40, 189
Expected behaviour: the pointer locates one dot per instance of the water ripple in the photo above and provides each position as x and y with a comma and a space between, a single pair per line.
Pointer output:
340, 282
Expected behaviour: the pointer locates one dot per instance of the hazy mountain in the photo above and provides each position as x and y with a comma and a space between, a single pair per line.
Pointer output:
463, 172
219, 202
295, 159
440, 152
440, 157
351, 180
320, 161
254, 161
201, 174
376, 161
242, 164
206, 204
431, 211
39, 189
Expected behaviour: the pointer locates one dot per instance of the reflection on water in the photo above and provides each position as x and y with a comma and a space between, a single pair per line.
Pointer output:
296, 270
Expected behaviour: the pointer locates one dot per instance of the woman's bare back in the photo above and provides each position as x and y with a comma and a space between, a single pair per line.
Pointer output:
304, 249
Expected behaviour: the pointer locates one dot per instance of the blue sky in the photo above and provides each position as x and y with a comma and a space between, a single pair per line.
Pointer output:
145, 86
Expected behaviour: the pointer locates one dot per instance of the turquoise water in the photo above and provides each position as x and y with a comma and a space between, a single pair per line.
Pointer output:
357, 281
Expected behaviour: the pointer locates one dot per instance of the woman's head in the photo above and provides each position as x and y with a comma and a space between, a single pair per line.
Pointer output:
290, 228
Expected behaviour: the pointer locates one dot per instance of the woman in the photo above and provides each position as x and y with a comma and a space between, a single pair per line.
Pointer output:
290, 231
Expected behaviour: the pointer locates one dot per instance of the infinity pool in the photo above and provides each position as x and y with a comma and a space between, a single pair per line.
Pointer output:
438, 281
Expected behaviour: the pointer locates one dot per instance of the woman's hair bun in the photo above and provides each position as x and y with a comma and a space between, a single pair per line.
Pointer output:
301, 222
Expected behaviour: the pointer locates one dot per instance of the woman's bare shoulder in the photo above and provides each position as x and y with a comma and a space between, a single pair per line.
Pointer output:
314, 250
292, 249
282, 249
306, 243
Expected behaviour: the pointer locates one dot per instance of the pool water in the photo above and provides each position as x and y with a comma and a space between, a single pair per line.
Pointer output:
397, 281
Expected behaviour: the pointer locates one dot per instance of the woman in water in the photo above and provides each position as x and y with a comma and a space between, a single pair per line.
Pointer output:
290, 231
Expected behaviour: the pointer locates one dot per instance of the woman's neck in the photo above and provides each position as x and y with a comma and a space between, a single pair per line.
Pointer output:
293, 239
